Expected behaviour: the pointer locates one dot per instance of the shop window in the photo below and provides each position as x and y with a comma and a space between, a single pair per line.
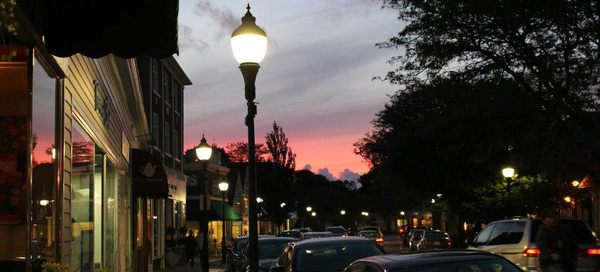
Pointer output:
82, 200
109, 202
43, 162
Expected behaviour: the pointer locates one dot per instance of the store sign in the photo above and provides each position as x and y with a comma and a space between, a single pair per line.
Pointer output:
101, 102
148, 175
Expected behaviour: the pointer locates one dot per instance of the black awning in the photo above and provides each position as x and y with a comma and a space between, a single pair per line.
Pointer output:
148, 176
96, 28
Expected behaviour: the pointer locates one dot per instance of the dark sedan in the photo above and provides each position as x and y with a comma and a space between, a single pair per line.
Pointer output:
438, 261
269, 249
324, 254
235, 258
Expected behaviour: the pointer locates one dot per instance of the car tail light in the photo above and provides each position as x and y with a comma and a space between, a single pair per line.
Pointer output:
590, 252
379, 240
531, 252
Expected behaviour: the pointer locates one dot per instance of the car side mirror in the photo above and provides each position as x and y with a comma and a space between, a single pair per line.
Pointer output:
277, 269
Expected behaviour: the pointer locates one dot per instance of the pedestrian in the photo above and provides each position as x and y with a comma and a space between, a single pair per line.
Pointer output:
190, 248
557, 244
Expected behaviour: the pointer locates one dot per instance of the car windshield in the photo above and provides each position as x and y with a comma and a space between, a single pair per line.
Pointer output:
369, 234
332, 257
436, 235
270, 249
335, 230
492, 265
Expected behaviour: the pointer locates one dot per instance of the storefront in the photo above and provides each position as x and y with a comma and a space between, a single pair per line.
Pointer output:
64, 147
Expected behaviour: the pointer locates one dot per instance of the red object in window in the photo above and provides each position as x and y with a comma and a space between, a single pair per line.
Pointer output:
531, 252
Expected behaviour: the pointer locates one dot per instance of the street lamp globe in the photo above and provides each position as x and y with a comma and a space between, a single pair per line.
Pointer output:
313, 214
203, 150
342, 212
402, 213
223, 186
567, 199
282, 204
309, 208
508, 172
259, 200
248, 41
575, 183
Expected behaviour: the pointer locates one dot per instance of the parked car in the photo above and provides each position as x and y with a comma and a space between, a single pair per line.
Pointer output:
315, 234
515, 240
372, 235
291, 233
324, 254
438, 261
303, 229
434, 240
269, 249
337, 230
235, 257
415, 238
408, 233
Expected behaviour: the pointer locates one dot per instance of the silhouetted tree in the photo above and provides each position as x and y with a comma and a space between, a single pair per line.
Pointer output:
238, 151
279, 151
551, 49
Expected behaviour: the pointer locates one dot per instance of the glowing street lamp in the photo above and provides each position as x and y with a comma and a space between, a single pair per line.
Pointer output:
313, 213
223, 186
575, 183
282, 204
249, 46
343, 212
508, 173
402, 213
567, 199
204, 152
308, 208
259, 200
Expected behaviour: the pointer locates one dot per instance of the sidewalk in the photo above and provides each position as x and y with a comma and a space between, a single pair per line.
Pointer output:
214, 265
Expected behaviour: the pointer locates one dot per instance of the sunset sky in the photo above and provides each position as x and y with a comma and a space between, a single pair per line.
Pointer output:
316, 80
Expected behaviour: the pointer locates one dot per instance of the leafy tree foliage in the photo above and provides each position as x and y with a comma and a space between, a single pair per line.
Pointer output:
238, 151
551, 49
280, 152
452, 137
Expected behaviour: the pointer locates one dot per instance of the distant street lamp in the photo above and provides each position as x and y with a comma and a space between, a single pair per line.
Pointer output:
308, 208
314, 214
204, 152
402, 213
249, 45
575, 183
433, 201
508, 173
282, 204
568, 199
223, 186
259, 200
343, 212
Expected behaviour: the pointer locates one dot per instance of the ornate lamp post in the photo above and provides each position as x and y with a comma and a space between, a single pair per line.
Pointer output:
223, 186
508, 173
249, 45
203, 152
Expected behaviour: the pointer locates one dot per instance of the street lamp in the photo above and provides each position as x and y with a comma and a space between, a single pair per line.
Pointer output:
309, 208
223, 186
203, 152
402, 213
282, 204
508, 173
575, 183
314, 214
342, 212
259, 200
249, 45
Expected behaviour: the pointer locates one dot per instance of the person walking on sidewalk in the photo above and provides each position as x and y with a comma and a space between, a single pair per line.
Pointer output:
190, 248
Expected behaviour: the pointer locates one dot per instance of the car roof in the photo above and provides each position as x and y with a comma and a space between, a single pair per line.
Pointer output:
330, 241
317, 232
395, 261
267, 239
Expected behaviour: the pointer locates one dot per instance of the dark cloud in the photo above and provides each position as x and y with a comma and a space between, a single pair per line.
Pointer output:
224, 18
307, 167
188, 40
325, 172
347, 174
